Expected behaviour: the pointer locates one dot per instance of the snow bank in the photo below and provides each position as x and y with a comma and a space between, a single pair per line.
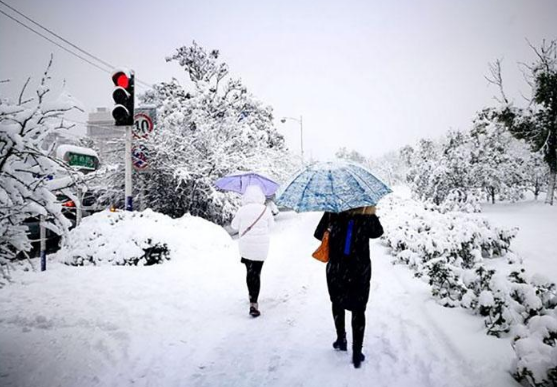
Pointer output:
139, 238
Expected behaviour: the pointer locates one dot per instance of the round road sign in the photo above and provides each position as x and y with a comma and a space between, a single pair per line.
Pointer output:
143, 125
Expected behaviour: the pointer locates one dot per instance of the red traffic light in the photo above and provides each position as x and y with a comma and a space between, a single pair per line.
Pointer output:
121, 79
123, 96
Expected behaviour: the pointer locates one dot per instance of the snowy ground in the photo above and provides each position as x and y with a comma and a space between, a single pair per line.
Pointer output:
185, 323
536, 239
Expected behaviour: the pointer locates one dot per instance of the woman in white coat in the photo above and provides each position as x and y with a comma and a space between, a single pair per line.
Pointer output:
253, 221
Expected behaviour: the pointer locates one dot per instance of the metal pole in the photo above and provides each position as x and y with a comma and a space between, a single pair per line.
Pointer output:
42, 236
302, 138
128, 158
79, 207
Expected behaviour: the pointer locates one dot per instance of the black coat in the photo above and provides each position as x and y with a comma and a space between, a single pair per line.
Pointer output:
349, 266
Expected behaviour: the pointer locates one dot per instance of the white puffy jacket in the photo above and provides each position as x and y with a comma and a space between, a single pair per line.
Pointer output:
254, 245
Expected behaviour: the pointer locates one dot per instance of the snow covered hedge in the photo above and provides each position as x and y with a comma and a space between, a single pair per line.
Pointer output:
420, 236
536, 350
138, 238
460, 256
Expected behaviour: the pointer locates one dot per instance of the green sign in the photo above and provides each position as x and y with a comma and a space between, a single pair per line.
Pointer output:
82, 161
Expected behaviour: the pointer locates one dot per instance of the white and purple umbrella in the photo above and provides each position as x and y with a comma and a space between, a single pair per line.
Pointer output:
238, 182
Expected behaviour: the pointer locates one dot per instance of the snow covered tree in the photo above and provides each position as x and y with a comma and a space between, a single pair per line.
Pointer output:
425, 160
26, 168
499, 161
204, 131
391, 168
440, 171
353, 155
457, 160
536, 173
536, 124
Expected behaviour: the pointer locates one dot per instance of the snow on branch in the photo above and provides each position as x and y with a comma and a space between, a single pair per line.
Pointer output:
26, 167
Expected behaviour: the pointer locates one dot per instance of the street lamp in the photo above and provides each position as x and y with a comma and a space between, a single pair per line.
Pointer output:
300, 121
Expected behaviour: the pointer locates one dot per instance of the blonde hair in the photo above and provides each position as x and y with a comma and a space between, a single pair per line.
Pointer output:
368, 210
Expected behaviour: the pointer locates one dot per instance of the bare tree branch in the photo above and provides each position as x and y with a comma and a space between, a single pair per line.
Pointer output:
23, 91
497, 80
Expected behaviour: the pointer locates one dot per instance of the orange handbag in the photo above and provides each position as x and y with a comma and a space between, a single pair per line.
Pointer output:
322, 252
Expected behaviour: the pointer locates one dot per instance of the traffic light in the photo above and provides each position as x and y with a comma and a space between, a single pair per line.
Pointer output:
123, 96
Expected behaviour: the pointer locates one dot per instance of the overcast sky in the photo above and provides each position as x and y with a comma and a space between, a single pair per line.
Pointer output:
368, 75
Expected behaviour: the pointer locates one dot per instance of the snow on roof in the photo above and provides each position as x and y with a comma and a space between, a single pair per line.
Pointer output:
65, 148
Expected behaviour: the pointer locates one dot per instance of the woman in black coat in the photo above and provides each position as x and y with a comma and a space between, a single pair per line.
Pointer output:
349, 271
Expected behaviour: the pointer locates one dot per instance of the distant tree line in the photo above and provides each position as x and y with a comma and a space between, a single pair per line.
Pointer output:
507, 152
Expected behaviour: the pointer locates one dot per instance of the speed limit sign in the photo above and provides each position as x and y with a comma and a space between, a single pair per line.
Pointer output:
143, 125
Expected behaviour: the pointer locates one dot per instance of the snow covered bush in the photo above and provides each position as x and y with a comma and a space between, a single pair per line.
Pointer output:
418, 234
138, 238
26, 167
446, 285
536, 351
458, 200
452, 252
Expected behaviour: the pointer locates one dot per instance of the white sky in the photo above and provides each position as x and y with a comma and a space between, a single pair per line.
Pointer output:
368, 75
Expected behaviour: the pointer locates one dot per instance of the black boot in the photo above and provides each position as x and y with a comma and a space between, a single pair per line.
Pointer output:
358, 328
341, 343
338, 315
357, 357
254, 310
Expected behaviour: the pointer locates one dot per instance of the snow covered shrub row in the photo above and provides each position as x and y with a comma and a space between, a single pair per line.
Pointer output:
458, 200
418, 235
138, 238
535, 341
536, 350
509, 303
449, 251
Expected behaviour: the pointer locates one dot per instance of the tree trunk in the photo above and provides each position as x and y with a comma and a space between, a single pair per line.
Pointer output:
551, 188
552, 159
492, 195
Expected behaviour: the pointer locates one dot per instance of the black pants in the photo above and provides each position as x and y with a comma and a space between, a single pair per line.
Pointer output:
358, 325
253, 278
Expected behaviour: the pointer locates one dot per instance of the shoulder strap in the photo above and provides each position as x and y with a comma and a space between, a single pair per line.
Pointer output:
253, 224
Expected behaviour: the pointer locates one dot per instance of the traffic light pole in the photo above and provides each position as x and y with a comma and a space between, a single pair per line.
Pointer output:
128, 157
123, 113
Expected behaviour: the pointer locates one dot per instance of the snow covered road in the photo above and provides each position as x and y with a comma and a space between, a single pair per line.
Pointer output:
185, 323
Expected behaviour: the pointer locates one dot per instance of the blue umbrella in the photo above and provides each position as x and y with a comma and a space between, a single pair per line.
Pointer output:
238, 182
333, 187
